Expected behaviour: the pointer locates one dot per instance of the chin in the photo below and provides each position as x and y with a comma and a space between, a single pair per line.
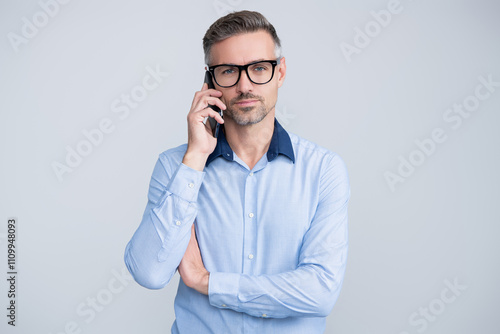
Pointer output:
246, 119
248, 115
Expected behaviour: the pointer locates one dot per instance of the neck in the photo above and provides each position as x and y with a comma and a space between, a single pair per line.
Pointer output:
250, 142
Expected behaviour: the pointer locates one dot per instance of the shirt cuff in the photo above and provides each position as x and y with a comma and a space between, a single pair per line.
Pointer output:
186, 183
223, 290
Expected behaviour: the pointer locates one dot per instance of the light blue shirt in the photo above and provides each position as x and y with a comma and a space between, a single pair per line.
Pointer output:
274, 238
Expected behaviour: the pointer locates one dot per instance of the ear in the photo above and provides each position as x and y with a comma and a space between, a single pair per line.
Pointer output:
281, 71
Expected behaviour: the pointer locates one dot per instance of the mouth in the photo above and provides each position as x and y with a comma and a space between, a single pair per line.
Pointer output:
246, 103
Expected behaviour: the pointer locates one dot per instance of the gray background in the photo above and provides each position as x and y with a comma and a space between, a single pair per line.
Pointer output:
407, 243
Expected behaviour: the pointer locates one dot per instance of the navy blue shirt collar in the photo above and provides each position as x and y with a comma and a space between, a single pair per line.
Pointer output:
280, 144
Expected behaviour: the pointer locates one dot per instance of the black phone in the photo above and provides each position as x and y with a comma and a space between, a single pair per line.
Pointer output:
214, 125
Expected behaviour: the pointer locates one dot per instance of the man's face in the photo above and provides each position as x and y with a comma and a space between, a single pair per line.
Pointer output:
248, 103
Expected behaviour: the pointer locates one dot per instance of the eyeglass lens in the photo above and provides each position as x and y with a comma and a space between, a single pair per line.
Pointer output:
259, 73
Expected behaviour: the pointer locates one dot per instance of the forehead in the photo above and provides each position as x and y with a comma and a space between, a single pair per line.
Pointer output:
244, 48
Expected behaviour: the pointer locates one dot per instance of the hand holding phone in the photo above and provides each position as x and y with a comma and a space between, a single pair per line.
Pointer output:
214, 125
201, 141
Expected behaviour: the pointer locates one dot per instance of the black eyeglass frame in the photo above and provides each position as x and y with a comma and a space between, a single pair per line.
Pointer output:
245, 67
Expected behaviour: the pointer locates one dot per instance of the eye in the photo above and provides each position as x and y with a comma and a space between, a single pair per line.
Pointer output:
259, 68
227, 71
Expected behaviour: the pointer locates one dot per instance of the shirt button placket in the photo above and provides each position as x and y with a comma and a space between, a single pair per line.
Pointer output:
250, 221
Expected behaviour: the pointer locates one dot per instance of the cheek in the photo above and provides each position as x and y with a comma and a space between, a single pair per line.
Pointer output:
225, 98
271, 97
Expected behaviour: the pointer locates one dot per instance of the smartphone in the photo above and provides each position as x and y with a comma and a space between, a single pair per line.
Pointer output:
214, 125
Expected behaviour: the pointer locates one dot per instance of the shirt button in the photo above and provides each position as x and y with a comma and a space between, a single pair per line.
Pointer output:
224, 305
264, 315
250, 256
191, 185
250, 215
251, 174
178, 222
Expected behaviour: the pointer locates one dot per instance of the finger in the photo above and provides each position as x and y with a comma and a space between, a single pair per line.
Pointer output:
201, 116
214, 114
203, 104
208, 128
212, 92
219, 118
216, 102
199, 96
208, 124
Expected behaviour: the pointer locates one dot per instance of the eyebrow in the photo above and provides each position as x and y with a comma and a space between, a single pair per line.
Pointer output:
253, 61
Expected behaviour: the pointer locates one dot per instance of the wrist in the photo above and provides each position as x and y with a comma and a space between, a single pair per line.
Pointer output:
200, 283
195, 160
203, 288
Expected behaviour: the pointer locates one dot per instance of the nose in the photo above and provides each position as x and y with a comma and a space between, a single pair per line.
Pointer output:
244, 85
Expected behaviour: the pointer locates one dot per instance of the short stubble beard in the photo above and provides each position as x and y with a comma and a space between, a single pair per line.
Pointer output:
241, 115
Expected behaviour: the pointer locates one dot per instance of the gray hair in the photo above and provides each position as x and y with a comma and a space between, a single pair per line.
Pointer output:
238, 23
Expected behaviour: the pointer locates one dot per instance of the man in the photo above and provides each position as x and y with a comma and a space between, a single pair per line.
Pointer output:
255, 221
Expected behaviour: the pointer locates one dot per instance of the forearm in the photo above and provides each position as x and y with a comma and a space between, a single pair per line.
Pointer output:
314, 286
156, 248
152, 260
308, 291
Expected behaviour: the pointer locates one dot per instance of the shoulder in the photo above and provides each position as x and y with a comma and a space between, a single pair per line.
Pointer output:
306, 150
172, 157
312, 156
330, 167
174, 152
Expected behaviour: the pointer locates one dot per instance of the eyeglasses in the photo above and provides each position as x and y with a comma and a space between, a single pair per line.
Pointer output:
259, 72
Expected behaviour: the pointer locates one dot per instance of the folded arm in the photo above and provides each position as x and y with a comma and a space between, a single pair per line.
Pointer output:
314, 286
158, 245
